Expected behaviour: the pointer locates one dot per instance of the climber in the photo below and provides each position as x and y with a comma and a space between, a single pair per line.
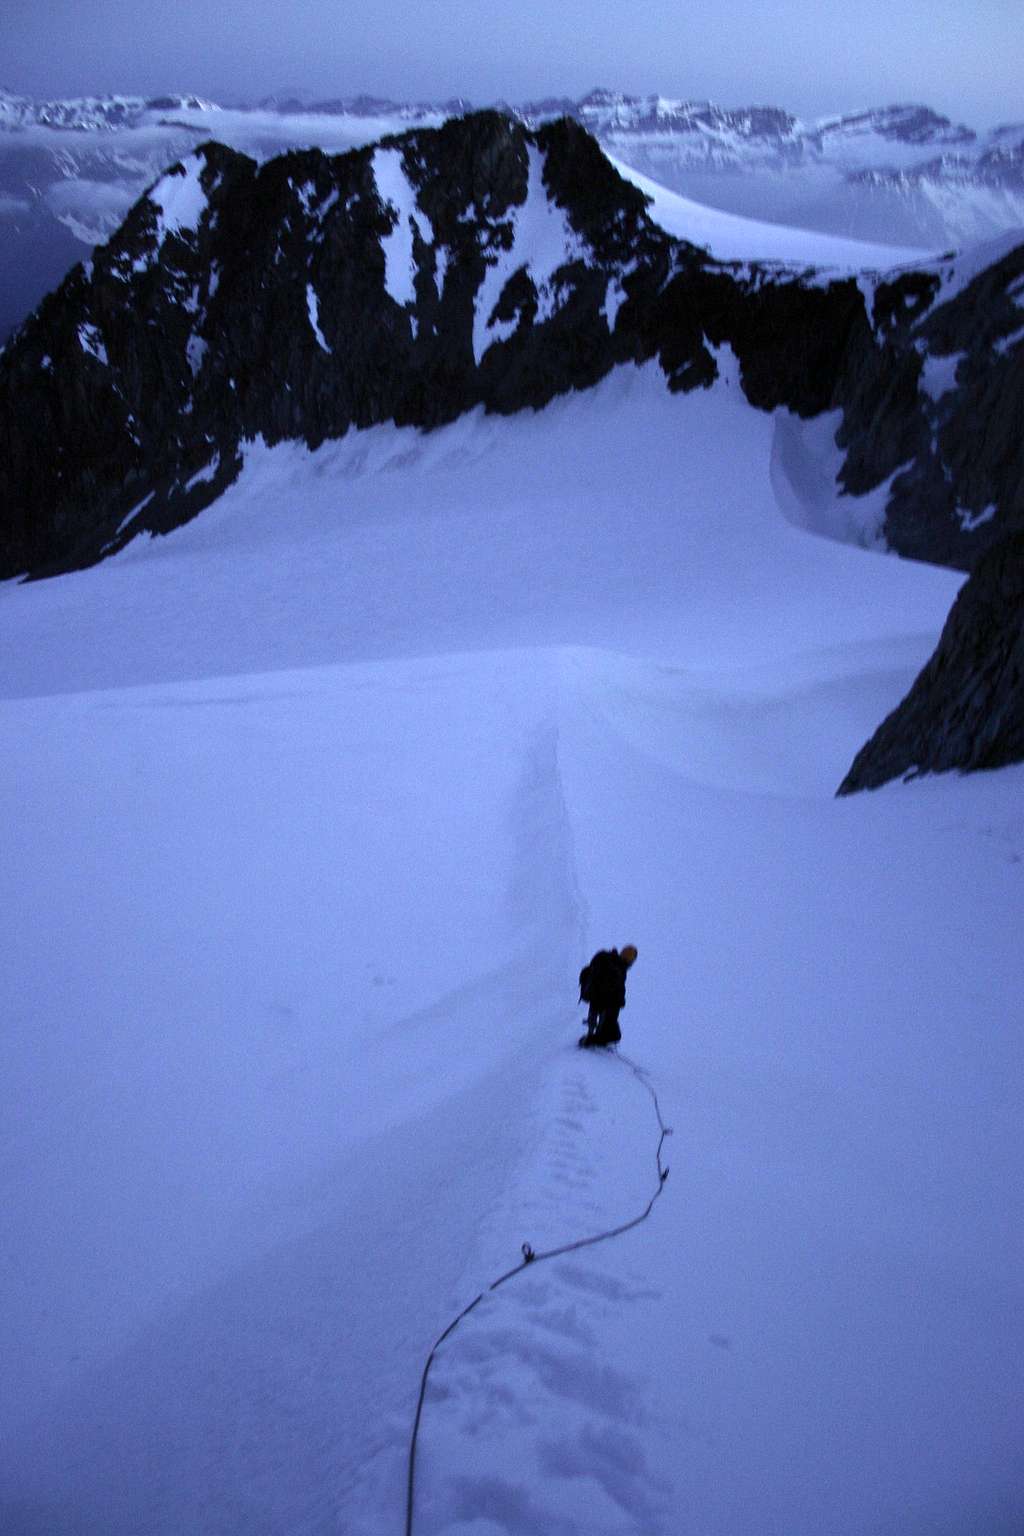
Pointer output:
603, 986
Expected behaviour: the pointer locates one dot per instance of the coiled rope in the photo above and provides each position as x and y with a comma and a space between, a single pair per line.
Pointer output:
530, 1257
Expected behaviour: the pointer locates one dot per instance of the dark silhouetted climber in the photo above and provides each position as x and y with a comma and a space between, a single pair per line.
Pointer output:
603, 986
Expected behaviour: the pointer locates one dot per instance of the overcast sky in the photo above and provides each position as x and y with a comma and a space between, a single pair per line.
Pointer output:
962, 57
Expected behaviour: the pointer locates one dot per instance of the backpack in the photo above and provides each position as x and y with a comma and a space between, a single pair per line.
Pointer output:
600, 975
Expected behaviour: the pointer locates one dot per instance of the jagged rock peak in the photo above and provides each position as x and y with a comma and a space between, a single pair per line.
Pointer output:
476, 263
481, 262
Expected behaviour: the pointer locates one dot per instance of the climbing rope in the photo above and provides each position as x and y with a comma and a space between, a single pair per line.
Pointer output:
530, 1257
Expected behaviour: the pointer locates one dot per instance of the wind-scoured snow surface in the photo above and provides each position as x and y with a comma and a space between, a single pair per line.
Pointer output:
731, 237
312, 812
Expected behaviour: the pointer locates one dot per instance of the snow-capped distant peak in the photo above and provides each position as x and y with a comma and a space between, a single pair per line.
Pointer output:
90, 114
909, 124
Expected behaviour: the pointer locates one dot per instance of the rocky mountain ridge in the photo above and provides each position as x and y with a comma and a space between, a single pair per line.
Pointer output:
487, 263
765, 128
479, 263
601, 111
70, 170
91, 114
966, 709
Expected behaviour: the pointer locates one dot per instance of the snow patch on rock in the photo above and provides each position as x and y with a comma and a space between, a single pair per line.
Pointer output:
938, 374
397, 193
179, 199
195, 351
205, 475
971, 520
543, 241
313, 310
90, 340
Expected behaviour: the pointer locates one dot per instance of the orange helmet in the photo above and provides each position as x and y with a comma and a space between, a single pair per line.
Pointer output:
628, 953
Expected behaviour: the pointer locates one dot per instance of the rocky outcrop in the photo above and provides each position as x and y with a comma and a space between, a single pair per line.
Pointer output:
966, 709
481, 263
298, 299
70, 170
476, 264
938, 407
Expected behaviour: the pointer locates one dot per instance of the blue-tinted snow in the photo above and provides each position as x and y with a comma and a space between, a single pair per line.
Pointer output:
179, 199
396, 192
313, 310
542, 241
313, 810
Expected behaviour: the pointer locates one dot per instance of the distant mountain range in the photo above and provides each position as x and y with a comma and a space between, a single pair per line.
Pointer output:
70, 170
901, 174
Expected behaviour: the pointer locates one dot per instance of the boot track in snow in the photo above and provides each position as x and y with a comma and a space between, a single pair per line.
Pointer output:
529, 1258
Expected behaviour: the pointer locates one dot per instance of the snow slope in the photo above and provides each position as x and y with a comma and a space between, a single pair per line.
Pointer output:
731, 237
313, 811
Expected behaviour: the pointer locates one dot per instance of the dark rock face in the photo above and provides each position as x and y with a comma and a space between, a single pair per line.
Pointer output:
937, 408
238, 301
966, 709
405, 282
316, 293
